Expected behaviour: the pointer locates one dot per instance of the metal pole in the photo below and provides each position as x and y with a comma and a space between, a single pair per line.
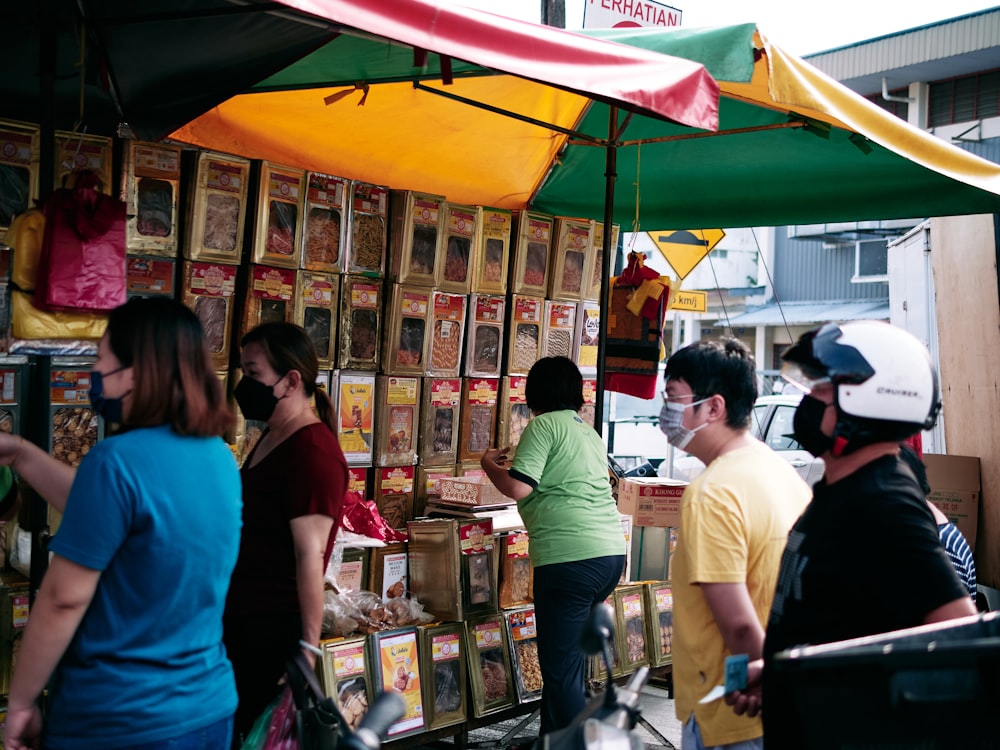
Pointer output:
610, 175
554, 13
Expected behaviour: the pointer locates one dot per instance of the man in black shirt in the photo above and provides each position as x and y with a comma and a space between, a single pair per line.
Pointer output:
865, 557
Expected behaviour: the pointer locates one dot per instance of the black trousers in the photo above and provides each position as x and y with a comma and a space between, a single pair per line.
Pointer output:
564, 594
258, 646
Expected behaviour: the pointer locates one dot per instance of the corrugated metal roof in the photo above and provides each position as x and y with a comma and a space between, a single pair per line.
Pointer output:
804, 313
950, 48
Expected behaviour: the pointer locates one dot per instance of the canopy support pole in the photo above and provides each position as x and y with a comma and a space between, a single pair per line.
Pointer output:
610, 175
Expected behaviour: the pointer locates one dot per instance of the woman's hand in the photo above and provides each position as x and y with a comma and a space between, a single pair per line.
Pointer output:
22, 727
498, 457
10, 447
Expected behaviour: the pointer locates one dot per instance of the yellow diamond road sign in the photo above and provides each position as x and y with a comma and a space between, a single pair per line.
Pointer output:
684, 249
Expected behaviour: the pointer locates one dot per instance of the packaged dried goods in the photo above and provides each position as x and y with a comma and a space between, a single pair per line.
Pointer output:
389, 570
440, 421
416, 237
152, 189
355, 400
218, 208
360, 323
492, 251
530, 274
523, 639
587, 336
280, 203
270, 297
408, 314
516, 573
559, 329
394, 495
486, 326
317, 310
149, 277
588, 410
368, 230
442, 653
344, 676
574, 238
659, 600
524, 333
447, 333
489, 665
208, 290
325, 222
398, 663
19, 169
75, 152
479, 412
630, 630
594, 269
514, 414
398, 411
461, 235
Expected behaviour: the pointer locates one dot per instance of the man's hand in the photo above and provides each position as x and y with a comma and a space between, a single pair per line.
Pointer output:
749, 701
498, 457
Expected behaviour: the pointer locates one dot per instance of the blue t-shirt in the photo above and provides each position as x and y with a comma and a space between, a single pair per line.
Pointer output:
159, 515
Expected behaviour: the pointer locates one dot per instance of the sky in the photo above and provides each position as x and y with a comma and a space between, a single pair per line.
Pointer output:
797, 26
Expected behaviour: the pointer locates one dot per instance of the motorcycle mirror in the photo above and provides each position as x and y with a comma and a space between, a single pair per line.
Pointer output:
598, 629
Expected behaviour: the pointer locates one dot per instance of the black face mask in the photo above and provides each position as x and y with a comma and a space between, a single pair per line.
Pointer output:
808, 417
256, 400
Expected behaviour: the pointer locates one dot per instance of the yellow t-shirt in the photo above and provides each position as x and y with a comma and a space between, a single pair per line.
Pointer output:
735, 519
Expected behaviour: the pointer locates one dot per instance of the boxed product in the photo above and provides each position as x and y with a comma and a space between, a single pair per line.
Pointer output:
651, 501
530, 273
397, 668
442, 654
574, 238
416, 237
461, 235
394, 494
278, 232
218, 207
152, 187
368, 231
955, 490
344, 676
325, 224
490, 268
526, 672
471, 491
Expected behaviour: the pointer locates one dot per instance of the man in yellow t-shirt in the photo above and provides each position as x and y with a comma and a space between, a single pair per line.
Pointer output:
735, 518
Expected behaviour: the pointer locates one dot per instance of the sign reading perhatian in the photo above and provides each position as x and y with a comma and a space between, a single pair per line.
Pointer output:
619, 14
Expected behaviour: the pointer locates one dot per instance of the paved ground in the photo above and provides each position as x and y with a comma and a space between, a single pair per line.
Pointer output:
657, 709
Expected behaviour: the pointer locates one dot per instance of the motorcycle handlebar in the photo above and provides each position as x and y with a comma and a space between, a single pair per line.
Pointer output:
384, 711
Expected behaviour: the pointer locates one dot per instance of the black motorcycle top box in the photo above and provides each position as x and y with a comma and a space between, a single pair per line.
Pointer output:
929, 687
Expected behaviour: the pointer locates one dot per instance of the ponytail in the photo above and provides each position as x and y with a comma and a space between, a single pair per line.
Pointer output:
324, 409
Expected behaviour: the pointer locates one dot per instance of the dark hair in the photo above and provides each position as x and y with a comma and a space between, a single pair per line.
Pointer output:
554, 383
288, 347
725, 368
174, 381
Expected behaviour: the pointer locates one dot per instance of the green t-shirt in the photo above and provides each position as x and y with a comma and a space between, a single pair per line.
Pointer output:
570, 514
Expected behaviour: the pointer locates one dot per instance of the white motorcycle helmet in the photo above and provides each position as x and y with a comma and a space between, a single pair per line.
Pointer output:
885, 385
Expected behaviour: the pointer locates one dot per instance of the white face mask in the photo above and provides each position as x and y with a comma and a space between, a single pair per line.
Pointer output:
671, 423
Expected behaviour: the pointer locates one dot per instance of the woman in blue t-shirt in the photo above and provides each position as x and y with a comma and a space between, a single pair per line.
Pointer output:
126, 629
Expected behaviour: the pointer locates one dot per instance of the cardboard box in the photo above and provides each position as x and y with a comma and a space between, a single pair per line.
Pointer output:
651, 501
955, 489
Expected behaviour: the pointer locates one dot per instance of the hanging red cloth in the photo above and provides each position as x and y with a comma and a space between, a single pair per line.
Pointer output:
82, 264
636, 311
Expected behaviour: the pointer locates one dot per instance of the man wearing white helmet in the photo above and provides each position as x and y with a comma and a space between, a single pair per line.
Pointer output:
865, 557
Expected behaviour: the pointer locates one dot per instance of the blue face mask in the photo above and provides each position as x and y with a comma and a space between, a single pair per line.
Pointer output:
109, 408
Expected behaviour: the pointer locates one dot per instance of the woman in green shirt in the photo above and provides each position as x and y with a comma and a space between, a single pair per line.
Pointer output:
559, 477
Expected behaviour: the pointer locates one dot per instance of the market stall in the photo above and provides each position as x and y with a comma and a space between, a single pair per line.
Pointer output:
430, 284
